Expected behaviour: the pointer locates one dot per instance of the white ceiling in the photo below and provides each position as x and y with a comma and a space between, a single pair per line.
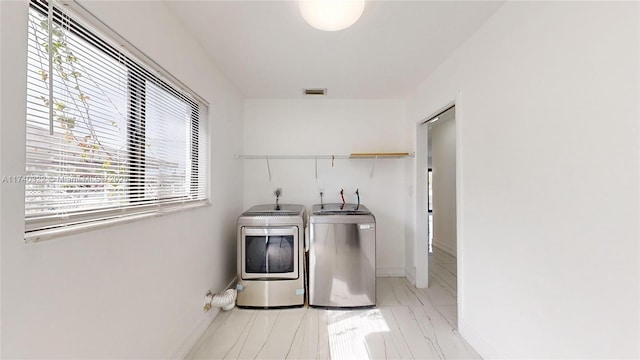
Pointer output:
267, 50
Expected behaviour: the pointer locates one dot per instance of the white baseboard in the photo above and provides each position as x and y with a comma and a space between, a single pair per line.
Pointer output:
390, 272
479, 344
410, 274
190, 341
194, 335
448, 249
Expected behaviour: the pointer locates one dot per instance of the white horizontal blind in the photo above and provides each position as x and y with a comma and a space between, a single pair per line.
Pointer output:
124, 141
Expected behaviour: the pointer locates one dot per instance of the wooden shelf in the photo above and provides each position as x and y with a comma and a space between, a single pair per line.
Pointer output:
380, 155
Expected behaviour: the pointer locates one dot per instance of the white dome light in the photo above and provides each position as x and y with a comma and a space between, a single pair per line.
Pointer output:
331, 15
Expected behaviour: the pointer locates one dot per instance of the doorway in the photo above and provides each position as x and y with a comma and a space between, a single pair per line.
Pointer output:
437, 249
441, 182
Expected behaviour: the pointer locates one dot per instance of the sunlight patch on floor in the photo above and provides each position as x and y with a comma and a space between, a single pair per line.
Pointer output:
348, 331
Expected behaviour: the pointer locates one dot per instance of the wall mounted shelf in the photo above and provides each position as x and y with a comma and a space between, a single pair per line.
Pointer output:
375, 156
385, 155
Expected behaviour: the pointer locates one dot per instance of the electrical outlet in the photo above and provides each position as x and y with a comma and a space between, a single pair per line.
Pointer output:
208, 298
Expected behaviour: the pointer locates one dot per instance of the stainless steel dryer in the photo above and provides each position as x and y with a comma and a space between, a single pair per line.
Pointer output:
342, 256
270, 257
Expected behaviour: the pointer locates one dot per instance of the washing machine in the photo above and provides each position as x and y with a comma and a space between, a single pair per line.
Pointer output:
342, 256
271, 257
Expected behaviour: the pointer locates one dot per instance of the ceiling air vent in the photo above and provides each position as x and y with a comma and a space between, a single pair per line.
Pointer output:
320, 92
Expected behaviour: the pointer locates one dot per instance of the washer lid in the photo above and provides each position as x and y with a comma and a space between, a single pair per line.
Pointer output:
273, 210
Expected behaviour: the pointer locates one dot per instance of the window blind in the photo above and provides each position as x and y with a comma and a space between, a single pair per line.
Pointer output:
107, 135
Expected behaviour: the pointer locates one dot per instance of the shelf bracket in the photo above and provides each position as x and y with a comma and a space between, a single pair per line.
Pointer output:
373, 168
268, 168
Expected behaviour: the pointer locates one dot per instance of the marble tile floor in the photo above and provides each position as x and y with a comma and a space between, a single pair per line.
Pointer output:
408, 323
443, 279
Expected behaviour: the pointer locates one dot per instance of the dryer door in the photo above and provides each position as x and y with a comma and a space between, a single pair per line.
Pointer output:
270, 253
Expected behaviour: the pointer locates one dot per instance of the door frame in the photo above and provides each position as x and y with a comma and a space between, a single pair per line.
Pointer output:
421, 215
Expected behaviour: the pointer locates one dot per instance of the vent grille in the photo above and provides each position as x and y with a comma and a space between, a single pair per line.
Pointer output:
320, 92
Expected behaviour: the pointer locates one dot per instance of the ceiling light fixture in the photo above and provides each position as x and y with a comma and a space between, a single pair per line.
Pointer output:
331, 15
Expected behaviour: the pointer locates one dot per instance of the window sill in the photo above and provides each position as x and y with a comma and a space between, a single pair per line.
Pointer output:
50, 234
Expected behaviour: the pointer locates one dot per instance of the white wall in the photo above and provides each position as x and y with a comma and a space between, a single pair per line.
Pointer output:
443, 163
133, 290
326, 127
548, 135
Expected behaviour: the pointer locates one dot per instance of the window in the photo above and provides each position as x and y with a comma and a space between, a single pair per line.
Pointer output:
430, 190
108, 138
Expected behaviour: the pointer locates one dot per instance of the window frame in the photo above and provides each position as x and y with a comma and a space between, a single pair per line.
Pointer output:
138, 72
429, 190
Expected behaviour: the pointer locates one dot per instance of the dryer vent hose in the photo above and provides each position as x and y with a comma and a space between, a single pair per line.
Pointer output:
226, 300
